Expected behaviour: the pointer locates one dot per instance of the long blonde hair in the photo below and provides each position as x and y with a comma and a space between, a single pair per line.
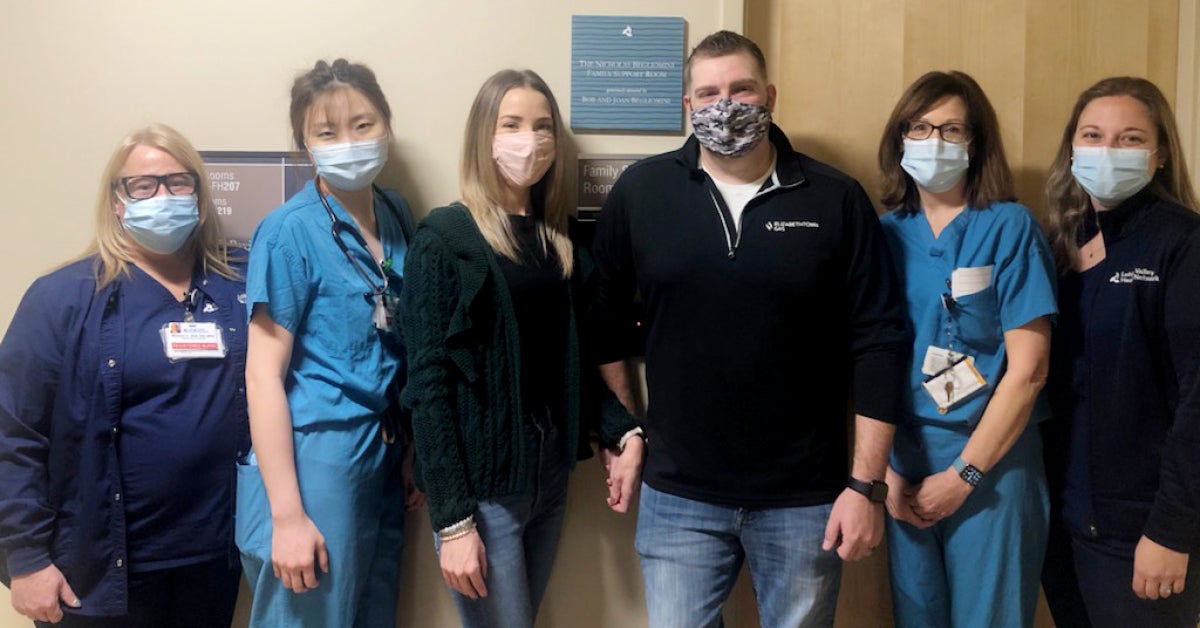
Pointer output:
111, 245
480, 178
1069, 204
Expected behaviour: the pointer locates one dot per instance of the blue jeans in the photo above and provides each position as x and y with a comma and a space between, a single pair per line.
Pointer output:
692, 551
520, 534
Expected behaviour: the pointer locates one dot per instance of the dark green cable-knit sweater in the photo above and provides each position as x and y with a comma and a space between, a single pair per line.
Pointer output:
464, 372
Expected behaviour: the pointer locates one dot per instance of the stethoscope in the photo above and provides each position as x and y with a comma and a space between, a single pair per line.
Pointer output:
377, 293
338, 226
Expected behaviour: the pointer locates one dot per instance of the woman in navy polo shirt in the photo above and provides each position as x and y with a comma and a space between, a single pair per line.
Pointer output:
123, 408
1125, 379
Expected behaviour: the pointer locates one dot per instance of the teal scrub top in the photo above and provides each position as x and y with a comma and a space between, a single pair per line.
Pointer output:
1021, 288
340, 368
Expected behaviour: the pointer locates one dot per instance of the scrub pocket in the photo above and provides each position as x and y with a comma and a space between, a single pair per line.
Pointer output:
977, 318
252, 521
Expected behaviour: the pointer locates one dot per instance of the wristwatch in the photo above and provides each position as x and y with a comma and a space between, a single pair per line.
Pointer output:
967, 472
876, 491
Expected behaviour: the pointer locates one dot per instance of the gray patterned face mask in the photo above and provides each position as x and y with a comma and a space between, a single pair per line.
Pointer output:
731, 128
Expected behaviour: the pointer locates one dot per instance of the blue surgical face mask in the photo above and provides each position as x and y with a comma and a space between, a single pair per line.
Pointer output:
1111, 175
350, 166
162, 223
935, 164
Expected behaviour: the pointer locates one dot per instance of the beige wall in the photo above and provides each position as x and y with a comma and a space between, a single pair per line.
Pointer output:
79, 74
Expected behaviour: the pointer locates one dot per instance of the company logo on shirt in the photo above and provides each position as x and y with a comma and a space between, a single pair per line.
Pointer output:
779, 226
1137, 274
210, 307
242, 298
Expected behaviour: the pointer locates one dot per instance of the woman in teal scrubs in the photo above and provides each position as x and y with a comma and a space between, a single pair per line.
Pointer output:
967, 491
320, 500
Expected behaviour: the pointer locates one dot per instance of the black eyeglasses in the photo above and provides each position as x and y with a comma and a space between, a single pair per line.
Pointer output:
145, 186
953, 132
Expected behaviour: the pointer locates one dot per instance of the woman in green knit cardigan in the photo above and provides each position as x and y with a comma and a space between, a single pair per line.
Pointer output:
491, 322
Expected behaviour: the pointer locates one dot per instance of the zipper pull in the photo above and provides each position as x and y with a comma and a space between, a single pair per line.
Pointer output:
730, 254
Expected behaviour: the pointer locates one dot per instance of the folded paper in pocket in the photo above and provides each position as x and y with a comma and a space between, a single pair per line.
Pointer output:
965, 281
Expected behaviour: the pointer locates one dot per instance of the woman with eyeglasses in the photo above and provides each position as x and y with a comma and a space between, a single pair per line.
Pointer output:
967, 492
122, 409
321, 496
492, 323
1125, 380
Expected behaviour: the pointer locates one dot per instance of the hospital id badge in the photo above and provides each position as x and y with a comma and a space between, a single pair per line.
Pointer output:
954, 384
938, 359
189, 341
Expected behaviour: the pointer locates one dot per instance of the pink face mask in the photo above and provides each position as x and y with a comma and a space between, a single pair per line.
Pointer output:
524, 157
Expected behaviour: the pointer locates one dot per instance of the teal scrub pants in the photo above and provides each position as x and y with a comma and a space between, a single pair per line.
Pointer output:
981, 565
351, 487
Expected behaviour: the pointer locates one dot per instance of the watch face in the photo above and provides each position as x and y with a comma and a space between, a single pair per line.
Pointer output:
971, 475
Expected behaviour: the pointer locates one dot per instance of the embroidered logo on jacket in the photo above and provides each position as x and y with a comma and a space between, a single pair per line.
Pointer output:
1137, 274
779, 226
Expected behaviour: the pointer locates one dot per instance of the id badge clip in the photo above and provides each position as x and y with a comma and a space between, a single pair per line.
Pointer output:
953, 383
190, 340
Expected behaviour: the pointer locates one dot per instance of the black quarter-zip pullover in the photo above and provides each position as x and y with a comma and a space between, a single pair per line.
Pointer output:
755, 336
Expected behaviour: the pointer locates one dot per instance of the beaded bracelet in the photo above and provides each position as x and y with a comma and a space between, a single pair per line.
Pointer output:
457, 530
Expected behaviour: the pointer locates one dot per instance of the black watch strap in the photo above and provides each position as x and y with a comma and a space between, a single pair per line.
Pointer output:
876, 490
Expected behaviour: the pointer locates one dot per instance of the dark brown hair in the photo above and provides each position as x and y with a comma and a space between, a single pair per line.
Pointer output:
720, 44
1068, 203
988, 179
324, 77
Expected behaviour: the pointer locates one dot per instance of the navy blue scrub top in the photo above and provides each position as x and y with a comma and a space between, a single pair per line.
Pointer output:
178, 427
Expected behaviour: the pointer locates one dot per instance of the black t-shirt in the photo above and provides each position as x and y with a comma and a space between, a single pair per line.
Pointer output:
540, 299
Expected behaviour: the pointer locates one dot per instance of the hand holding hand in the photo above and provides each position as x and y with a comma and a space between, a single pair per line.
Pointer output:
939, 496
899, 499
624, 473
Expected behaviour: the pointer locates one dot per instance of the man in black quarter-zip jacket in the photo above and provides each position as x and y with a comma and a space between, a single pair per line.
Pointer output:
769, 303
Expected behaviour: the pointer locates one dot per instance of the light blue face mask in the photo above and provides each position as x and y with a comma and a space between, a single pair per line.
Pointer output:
935, 164
350, 166
1111, 175
162, 223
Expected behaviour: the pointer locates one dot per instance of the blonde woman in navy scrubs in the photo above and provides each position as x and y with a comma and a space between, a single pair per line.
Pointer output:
967, 492
123, 408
